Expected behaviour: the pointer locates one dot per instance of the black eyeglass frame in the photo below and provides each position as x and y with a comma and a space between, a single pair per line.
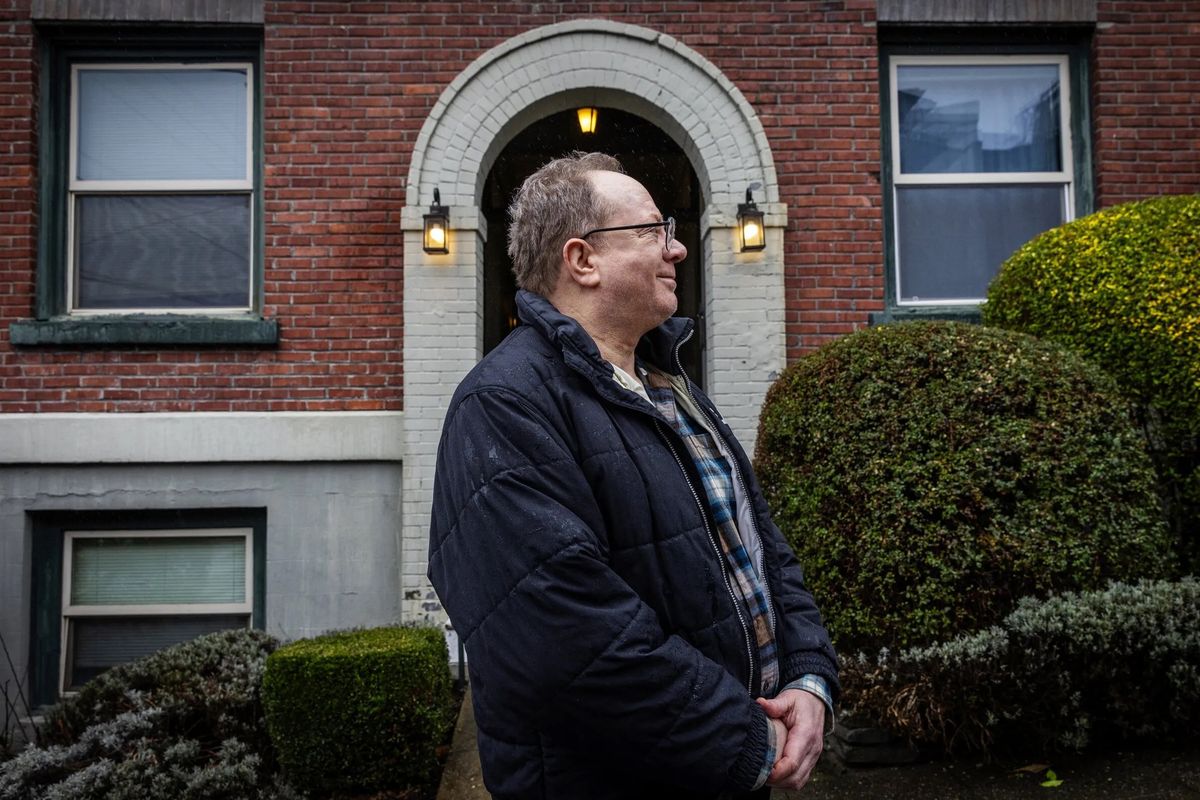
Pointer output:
667, 224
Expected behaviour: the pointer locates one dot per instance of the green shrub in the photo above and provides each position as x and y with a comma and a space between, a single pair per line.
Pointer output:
1122, 286
360, 710
930, 474
1117, 664
186, 722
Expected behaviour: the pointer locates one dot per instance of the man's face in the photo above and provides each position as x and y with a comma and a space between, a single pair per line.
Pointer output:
637, 274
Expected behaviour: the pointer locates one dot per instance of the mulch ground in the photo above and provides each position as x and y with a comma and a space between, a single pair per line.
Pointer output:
1146, 773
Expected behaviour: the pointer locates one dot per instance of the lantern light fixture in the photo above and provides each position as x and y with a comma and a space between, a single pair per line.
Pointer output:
587, 119
437, 221
750, 222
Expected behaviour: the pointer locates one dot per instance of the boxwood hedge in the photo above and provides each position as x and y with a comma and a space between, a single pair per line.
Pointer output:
1122, 286
361, 710
930, 474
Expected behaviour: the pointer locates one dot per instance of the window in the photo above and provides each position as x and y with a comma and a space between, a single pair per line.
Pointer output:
980, 158
150, 189
160, 188
111, 587
127, 594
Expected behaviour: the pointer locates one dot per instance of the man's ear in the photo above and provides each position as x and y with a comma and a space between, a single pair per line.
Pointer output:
577, 256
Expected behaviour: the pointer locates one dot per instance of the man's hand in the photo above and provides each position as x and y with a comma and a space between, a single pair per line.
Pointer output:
803, 714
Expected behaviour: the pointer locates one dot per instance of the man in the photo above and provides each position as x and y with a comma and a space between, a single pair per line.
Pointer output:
599, 539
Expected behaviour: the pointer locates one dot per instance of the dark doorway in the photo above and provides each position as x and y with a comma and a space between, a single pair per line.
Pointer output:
649, 155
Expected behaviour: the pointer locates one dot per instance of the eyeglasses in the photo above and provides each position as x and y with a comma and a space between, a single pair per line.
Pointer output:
667, 224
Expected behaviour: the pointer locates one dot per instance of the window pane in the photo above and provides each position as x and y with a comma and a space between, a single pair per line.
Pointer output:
979, 118
953, 239
98, 644
158, 570
162, 251
147, 124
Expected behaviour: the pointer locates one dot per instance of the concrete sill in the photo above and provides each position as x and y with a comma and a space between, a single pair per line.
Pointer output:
157, 329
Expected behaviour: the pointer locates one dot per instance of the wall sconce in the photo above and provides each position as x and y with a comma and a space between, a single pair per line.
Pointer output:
587, 119
436, 223
750, 222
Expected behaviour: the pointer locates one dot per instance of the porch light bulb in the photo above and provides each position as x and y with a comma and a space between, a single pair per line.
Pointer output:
587, 119
437, 235
751, 232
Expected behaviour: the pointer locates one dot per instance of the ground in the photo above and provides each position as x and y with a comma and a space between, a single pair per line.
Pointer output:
1143, 773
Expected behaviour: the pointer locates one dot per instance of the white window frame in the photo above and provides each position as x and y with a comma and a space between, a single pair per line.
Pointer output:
70, 611
1065, 176
77, 187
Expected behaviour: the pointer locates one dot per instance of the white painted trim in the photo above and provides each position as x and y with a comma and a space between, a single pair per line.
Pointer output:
1065, 178
70, 611
76, 187
246, 182
208, 437
1066, 175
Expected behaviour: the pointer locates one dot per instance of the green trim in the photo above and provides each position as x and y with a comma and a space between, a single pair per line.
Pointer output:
1071, 41
258, 549
970, 314
45, 652
165, 329
1079, 69
64, 46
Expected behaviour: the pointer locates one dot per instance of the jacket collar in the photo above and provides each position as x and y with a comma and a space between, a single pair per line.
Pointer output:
579, 350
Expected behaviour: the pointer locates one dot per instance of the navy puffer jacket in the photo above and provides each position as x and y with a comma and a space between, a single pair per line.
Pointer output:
607, 656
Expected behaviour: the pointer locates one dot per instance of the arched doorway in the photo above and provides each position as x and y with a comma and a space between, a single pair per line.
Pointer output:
521, 81
649, 155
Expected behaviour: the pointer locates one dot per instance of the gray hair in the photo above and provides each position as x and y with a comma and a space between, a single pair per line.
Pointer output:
553, 205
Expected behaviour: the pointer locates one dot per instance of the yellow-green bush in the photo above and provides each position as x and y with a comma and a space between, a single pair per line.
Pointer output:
931, 474
1122, 286
361, 710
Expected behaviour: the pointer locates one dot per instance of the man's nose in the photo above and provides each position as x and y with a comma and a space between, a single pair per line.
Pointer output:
676, 252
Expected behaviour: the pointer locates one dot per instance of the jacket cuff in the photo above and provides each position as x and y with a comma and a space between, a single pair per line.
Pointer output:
746, 769
797, 665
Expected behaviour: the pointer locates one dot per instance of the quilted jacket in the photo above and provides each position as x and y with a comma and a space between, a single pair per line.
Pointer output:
608, 656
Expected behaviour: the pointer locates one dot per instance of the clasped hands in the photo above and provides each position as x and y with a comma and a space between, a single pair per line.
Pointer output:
798, 718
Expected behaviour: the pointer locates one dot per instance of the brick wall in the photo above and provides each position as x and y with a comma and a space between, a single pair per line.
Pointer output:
18, 181
348, 86
1146, 92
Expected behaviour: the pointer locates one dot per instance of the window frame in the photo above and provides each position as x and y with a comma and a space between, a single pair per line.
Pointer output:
53, 323
71, 612
77, 187
982, 46
50, 579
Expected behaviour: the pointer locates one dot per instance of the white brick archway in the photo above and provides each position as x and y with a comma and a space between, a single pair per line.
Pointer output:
538, 73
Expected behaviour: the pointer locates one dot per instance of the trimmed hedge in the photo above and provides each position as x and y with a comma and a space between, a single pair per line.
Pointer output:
1122, 663
1122, 286
361, 710
185, 722
929, 474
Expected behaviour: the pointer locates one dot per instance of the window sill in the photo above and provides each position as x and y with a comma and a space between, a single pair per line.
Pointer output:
970, 314
158, 329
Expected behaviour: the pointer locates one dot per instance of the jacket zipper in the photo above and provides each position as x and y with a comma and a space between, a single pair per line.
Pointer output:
737, 470
720, 558
737, 604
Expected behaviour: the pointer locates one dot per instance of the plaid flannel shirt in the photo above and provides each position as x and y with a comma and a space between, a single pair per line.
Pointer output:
718, 482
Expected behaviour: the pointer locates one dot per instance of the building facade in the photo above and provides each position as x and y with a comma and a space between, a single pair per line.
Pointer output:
225, 352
